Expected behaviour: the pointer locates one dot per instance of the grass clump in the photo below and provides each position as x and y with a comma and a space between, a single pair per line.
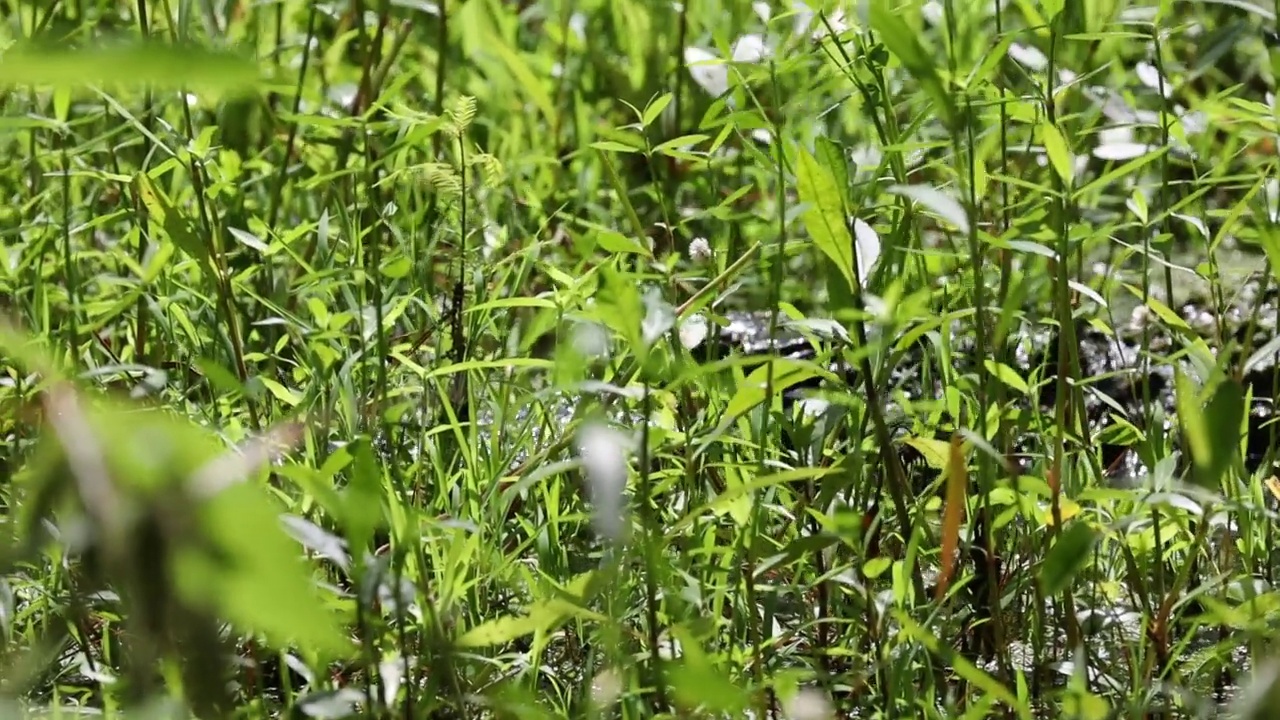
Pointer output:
621, 359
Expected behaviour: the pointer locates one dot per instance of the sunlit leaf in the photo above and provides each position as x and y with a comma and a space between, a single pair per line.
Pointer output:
1068, 555
128, 65
698, 683
937, 202
1007, 375
1055, 146
824, 216
935, 452
176, 225
906, 45
786, 372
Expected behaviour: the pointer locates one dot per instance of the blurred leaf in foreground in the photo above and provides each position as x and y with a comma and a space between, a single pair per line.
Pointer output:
128, 64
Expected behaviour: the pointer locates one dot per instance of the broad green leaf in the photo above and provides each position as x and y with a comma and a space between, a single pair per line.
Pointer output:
1164, 312
177, 226
1055, 146
135, 64
906, 45
935, 452
655, 109
834, 159
824, 217
544, 615
696, 682
1067, 556
280, 392
397, 267
249, 569
876, 566
362, 499
1007, 375
786, 372
502, 630
615, 242
1221, 420
670, 147
937, 202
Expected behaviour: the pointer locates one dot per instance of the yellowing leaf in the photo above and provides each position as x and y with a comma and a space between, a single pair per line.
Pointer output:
934, 452
952, 512
1273, 484
1069, 508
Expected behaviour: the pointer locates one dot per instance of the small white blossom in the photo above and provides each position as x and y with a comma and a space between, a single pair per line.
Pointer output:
606, 688
591, 339
693, 331
699, 250
604, 461
808, 704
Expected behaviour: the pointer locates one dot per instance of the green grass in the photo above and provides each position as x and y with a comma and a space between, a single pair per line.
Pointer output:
353, 365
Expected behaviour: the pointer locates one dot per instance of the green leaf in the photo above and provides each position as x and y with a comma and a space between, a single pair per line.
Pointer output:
655, 109
1007, 375
905, 44
177, 226
62, 103
614, 146
935, 452
544, 615
672, 146
128, 64
697, 683
251, 571
1067, 556
531, 84
362, 500
937, 202
280, 392
1222, 416
824, 216
876, 566
616, 242
397, 267
786, 372
1165, 313
831, 157
1051, 8
1055, 146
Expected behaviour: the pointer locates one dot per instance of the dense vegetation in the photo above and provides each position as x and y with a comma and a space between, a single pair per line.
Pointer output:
398, 358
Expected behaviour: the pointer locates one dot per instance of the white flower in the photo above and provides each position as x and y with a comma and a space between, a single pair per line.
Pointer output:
693, 331
808, 704
591, 339
604, 461
1028, 56
606, 688
708, 71
750, 48
699, 250
1149, 75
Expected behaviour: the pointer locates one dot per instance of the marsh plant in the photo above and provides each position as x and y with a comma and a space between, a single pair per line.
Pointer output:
614, 358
